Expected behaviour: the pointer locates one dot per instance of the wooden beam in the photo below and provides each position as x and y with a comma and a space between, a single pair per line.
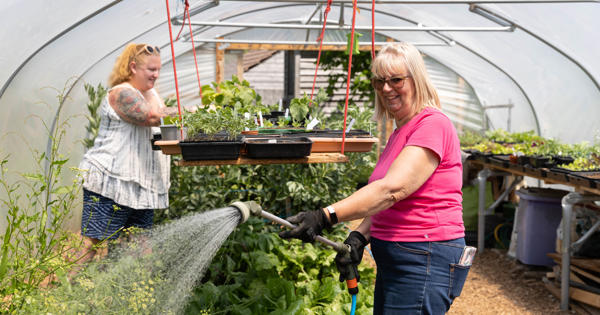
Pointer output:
313, 158
592, 264
248, 46
575, 294
219, 63
240, 65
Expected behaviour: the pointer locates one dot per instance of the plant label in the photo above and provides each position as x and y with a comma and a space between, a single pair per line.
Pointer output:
349, 127
312, 124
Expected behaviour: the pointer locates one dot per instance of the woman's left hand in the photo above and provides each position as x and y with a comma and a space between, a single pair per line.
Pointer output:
309, 225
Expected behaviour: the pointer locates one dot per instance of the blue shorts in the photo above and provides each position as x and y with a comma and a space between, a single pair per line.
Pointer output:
102, 218
417, 277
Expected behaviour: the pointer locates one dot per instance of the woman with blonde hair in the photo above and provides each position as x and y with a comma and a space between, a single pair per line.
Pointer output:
124, 179
412, 206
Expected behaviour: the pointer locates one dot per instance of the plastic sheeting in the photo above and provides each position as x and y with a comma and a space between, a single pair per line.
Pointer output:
547, 67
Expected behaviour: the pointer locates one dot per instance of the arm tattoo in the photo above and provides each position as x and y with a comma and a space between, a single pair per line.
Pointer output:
133, 108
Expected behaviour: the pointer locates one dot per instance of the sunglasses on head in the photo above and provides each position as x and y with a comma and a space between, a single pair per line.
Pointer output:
149, 50
395, 82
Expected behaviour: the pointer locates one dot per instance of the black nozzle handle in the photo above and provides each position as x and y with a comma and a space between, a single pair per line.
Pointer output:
339, 247
351, 274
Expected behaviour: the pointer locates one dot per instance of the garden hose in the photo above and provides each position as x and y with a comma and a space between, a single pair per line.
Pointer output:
251, 207
497, 234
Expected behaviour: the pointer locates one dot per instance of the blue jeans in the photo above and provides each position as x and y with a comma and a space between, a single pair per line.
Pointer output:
417, 277
102, 218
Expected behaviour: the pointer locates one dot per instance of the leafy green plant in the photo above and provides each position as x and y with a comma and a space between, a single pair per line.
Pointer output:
299, 108
256, 272
282, 121
234, 93
95, 95
170, 102
209, 121
360, 84
34, 247
363, 119
470, 138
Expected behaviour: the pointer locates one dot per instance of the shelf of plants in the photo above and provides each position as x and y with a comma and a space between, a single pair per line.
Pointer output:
530, 155
232, 129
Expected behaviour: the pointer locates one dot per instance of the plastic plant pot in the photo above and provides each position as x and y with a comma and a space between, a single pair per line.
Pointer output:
171, 132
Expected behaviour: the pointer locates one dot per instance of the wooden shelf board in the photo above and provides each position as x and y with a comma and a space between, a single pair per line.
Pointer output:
320, 145
313, 158
530, 172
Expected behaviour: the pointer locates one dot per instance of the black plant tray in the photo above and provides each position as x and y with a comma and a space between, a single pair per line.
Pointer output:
541, 161
210, 150
500, 160
278, 147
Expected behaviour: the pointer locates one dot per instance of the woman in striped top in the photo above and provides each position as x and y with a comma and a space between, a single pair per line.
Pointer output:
124, 179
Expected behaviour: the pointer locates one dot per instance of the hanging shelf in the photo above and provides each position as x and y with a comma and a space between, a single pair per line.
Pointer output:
323, 150
312, 158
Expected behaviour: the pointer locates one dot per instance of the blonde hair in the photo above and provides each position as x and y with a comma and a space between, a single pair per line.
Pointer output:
389, 62
132, 52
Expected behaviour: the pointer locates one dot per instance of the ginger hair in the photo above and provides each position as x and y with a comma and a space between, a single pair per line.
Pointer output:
121, 71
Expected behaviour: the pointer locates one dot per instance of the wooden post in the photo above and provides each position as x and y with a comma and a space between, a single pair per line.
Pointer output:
240, 65
219, 63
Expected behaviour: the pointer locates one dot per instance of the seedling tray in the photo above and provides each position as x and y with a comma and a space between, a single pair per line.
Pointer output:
278, 147
210, 150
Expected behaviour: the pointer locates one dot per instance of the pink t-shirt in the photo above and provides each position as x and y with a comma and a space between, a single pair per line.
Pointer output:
434, 211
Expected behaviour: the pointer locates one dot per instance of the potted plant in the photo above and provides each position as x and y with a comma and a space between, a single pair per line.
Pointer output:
213, 134
170, 125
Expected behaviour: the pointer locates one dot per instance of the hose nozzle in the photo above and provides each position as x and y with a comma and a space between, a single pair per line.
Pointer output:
246, 208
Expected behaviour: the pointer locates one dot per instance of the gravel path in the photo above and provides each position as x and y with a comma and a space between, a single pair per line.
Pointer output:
498, 284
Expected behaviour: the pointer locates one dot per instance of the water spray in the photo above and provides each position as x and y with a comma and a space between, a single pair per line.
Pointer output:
251, 207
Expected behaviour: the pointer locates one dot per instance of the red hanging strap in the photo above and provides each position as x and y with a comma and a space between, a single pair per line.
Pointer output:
186, 10
349, 73
186, 15
373, 29
174, 67
320, 40
194, 50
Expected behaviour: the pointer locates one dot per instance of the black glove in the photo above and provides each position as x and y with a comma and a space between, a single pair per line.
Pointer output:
309, 225
347, 263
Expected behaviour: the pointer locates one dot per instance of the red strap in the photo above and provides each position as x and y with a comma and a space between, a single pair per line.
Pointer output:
186, 10
349, 73
193, 49
174, 67
320, 39
373, 30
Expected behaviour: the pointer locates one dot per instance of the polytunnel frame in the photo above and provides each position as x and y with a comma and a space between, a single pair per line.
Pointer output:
431, 30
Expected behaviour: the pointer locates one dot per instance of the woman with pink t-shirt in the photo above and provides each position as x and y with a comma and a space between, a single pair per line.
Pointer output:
412, 206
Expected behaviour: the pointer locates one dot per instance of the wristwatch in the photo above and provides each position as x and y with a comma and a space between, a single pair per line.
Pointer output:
332, 215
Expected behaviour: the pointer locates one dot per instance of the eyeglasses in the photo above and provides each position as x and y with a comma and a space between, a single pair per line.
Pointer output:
149, 50
394, 82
